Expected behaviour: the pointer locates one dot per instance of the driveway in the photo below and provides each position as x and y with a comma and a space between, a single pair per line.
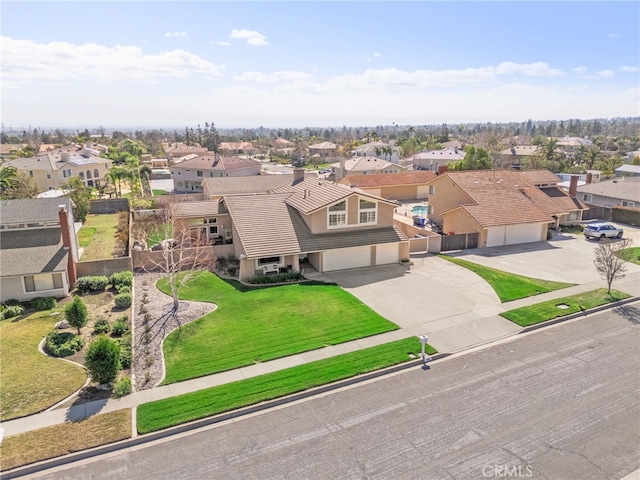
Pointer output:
454, 306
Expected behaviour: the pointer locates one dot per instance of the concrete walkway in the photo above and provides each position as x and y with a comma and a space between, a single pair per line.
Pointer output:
473, 328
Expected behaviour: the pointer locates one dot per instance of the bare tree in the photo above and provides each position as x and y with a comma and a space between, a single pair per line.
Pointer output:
184, 251
608, 263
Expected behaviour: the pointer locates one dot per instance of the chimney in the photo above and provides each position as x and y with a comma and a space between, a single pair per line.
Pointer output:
341, 173
298, 175
64, 156
442, 169
66, 241
589, 178
573, 185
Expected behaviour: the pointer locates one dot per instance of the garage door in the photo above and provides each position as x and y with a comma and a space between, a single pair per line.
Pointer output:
342, 258
495, 236
387, 253
523, 234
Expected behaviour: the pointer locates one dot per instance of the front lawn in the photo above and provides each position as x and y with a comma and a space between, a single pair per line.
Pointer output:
98, 236
509, 286
262, 324
561, 307
631, 254
205, 403
29, 380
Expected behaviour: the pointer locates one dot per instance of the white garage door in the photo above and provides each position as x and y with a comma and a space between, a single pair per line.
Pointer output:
523, 233
342, 258
387, 253
495, 236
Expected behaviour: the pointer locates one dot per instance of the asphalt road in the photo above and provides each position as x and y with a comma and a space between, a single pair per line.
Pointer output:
559, 403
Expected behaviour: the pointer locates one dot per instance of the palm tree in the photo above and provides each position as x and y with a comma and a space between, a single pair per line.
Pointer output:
8, 179
116, 175
590, 156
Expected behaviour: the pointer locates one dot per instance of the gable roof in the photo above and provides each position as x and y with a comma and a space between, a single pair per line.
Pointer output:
196, 209
24, 252
538, 177
624, 188
520, 150
214, 162
32, 210
365, 163
323, 146
246, 184
449, 154
404, 178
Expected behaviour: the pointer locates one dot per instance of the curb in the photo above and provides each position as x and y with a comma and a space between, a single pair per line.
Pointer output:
186, 427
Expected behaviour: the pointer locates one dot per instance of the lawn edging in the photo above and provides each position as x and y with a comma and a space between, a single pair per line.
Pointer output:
575, 315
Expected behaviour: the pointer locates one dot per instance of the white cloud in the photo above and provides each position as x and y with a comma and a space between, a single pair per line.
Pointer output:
282, 76
176, 34
252, 37
580, 70
377, 55
629, 68
62, 61
606, 73
221, 43
615, 35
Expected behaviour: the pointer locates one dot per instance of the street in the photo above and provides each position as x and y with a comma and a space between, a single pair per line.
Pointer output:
559, 403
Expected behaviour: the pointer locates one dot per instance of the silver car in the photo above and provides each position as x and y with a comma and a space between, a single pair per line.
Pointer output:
602, 230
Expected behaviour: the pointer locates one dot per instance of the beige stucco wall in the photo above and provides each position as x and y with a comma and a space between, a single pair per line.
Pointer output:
459, 221
13, 288
446, 196
317, 222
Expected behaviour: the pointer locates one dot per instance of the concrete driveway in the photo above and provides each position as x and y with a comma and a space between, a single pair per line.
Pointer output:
454, 306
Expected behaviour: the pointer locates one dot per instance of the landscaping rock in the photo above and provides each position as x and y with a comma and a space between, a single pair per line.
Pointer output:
61, 325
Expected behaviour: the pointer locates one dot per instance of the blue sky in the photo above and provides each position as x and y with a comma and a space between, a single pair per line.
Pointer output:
296, 64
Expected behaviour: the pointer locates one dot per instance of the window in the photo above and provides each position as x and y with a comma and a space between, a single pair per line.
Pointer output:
338, 214
625, 203
66, 173
269, 261
367, 211
48, 175
213, 230
89, 174
179, 172
81, 175
31, 173
199, 173
430, 209
587, 198
96, 173
432, 189
47, 281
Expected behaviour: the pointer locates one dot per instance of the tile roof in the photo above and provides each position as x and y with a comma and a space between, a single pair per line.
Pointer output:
323, 146
33, 251
623, 188
366, 163
247, 184
236, 145
538, 177
520, 150
219, 163
32, 210
403, 178
450, 154
196, 209
268, 226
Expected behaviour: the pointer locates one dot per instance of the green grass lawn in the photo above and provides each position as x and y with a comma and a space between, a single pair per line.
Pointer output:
157, 192
29, 380
631, 254
509, 286
262, 324
98, 236
204, 403
544, 311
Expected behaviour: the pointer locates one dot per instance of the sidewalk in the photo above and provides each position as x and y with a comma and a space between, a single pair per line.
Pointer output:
630, 284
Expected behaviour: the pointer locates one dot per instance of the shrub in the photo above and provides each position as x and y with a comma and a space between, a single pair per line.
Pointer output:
12, 302
123, 289
94, 283
122, 387
76, 313
101, 325
63, 344
43, 303
103, 359
279, 278
11, 311
120, 327
123, 300
124, 278
125, 355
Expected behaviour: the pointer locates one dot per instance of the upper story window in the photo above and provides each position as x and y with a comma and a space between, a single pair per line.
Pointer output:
338, 214
66, 173
626, 203
199, 173
96, 173
367, 212
432, 189
587, 198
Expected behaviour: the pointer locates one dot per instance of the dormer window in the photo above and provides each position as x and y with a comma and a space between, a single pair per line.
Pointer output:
338, 214
367, 212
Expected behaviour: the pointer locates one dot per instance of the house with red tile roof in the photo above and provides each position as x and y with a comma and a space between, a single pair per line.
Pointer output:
188, 175
393, 186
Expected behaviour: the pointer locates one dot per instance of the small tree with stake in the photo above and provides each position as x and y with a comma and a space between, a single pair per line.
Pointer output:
608, 262
76, 313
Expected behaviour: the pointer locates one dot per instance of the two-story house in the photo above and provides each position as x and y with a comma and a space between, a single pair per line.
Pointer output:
385, 151
305, 222
364, 166
504, 207
38, 248
327, 151
394, 186
52, 169
433, 160
188, 175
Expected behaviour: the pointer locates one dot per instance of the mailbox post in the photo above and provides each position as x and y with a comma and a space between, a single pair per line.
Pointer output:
423, 340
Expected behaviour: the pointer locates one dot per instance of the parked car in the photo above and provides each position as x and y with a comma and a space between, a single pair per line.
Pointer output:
602, 230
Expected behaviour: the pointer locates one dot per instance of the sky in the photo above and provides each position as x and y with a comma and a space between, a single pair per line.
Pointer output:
296, 64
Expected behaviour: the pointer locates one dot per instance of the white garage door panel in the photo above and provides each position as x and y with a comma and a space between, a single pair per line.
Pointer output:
387, 253
343, 258
523, 234
495, 236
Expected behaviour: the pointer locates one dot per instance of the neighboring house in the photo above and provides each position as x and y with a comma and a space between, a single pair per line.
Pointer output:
325, 150
512, 157
328, 226
394, 186
178, 149
364, 166
236, 148
9, 149
432, 160
382, 150
504, 207
632, 155
569, 145
188, 175
38, 248
53, 169
217, 187
628, 171
623, 192
282, 142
